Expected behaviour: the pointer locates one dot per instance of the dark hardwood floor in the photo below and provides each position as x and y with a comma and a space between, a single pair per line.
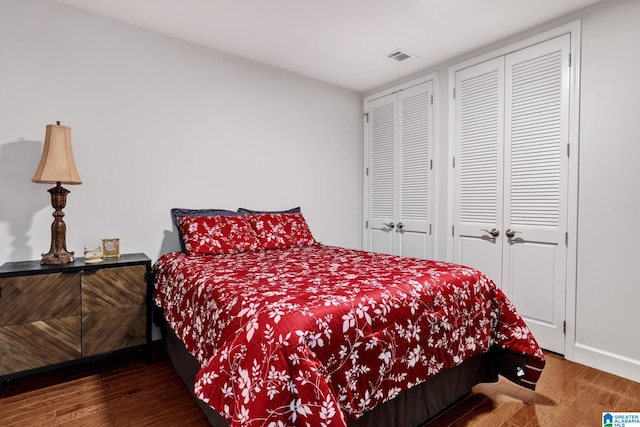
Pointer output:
124, 391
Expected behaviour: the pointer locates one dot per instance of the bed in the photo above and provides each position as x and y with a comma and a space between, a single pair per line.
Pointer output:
270, 328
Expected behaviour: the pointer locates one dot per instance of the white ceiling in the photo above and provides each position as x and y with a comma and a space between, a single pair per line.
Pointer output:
344, 42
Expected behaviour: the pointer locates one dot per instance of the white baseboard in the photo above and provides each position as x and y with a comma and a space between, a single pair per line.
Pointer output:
606, 361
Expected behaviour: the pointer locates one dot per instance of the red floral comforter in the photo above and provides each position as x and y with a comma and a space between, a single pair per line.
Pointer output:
318, 335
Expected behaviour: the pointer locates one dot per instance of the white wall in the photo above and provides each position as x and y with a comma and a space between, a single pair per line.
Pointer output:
158, 123
607, 289
608, 292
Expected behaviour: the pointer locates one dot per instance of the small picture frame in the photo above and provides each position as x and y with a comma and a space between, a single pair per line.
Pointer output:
111, 248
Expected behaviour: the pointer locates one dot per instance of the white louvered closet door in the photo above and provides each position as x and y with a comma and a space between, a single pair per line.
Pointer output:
382, 159
478, 170
511, 179
413, 201
536, 184
399, 184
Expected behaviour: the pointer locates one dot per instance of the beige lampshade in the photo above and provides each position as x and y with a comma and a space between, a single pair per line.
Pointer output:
57, 164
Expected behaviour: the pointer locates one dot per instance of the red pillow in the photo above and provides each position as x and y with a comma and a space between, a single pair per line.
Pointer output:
280, 231
213, 235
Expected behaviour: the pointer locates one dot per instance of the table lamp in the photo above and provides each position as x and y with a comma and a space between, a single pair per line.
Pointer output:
57, 166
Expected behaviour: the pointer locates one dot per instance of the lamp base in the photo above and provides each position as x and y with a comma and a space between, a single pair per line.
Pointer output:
52, 258
58, 253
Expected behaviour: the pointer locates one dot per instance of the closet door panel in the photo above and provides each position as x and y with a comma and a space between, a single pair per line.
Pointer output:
532, 262
536, 184
414, 164
382, 136
413, 244
479, 127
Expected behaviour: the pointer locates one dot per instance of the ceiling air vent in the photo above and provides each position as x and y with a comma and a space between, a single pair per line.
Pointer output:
400, 55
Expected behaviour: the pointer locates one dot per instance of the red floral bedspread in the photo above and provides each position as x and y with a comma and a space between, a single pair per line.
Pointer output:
318, 335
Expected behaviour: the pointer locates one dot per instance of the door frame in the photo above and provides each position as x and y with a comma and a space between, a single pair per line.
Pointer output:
574, 29
433, 77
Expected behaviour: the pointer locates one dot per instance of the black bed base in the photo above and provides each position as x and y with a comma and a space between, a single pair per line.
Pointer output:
413, 408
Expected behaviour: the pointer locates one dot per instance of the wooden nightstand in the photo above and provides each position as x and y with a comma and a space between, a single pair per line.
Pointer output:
57, 314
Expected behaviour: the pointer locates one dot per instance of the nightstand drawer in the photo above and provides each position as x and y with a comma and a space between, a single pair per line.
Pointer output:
25, 299
113, 329
41, 343
110, 288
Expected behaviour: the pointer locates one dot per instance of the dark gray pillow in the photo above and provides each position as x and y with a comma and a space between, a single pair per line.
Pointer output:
244, 211
179, 212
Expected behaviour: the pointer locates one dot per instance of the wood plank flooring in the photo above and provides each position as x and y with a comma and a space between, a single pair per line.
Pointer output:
568, 394
125, 391
122, 391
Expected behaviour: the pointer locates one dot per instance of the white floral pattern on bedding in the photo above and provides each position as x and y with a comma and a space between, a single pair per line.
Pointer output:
318, 335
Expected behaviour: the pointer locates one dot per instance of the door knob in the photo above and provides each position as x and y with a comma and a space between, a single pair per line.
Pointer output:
510, 233
400, 227
389, 225
494, 232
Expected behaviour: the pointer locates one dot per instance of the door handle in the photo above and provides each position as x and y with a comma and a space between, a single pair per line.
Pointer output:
390, 225
510, 233
400, 227
494, 232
